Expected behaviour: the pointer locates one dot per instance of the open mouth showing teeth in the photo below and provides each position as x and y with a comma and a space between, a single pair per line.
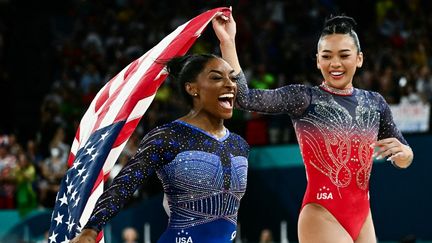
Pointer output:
336, 74
226, 100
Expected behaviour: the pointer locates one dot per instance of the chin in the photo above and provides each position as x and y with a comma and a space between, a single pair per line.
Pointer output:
226, 116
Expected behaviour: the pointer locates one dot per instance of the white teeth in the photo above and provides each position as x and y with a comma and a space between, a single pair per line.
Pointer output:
336, 73
227, 96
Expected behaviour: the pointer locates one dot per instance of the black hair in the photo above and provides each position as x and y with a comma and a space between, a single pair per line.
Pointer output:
341, 24
185, 69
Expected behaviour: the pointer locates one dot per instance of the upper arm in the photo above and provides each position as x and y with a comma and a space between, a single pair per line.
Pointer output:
290, 99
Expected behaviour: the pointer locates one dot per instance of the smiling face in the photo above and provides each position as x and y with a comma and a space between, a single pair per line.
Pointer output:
338, 58
214, 89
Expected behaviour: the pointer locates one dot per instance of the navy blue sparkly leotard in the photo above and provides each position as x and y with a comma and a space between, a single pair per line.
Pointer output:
203, 178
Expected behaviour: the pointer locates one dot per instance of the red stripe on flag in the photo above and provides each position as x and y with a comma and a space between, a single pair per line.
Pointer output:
114, 95
126, 131
132, 69
98, 181
71, 159
103, 97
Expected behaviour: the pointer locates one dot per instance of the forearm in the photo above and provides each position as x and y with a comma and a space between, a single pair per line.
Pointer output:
229, 54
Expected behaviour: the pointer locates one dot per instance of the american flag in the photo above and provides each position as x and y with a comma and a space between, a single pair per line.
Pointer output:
107, 125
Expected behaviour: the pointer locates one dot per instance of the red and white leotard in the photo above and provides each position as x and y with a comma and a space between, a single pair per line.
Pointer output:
335, 133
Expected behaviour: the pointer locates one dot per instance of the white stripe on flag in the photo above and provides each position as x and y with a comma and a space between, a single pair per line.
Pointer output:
118, 80
91, 204
112, 158
140, 108
90, 117
145, 62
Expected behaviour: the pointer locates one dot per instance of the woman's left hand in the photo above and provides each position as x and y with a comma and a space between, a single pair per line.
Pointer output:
396, 151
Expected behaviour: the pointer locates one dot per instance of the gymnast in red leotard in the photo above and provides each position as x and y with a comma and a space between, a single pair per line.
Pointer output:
337, 126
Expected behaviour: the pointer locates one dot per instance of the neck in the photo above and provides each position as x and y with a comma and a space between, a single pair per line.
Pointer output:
214, 126
330, 89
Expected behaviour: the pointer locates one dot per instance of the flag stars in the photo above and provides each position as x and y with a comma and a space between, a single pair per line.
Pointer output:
70, 224
59, 218
69, 188
90, 150
103, 136
75, 165
78, 228
53, 237
94, 156
87, 144
76, 201
63, 200
80, 171
73, 195
84, 178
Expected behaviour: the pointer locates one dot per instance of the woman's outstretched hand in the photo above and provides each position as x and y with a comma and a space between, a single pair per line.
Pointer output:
86, 236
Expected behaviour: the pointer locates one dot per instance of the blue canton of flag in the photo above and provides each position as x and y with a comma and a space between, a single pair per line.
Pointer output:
78, 184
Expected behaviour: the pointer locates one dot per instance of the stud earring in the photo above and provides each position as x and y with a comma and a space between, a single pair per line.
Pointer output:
195, 94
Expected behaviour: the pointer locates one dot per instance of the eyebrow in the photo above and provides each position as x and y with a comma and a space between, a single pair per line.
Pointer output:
343, 50
219, 72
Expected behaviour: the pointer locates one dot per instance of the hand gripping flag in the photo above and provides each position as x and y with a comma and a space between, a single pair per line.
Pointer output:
107, 125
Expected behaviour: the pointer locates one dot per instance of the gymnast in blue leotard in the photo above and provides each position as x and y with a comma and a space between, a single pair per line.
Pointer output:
201, 164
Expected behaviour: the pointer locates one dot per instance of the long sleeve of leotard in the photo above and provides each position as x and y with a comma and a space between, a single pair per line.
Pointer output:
388, 128
151, 154
291, 99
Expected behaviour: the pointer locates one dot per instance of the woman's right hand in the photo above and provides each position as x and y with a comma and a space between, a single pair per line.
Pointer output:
86, 236
224, 27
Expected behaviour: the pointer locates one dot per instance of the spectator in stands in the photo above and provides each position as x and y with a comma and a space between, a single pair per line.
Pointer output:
130, 235
7, 179
337, 126
58, 142
25, 175
53, 169
266, 236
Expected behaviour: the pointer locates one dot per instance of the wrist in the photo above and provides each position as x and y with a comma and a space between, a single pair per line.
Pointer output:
89, 232
401, 163
230, 43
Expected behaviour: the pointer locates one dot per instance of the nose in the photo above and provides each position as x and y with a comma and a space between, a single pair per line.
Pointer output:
335, 62
230, 83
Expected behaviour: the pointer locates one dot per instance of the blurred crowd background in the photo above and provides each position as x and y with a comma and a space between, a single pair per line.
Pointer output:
56, 55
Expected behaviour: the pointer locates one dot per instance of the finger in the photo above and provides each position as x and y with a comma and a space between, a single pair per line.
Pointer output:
226, 11
395, 156
384, 141
386, 147
221, 17
389, 152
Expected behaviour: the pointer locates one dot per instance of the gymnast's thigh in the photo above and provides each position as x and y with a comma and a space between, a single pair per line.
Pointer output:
367, 233
316, 224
